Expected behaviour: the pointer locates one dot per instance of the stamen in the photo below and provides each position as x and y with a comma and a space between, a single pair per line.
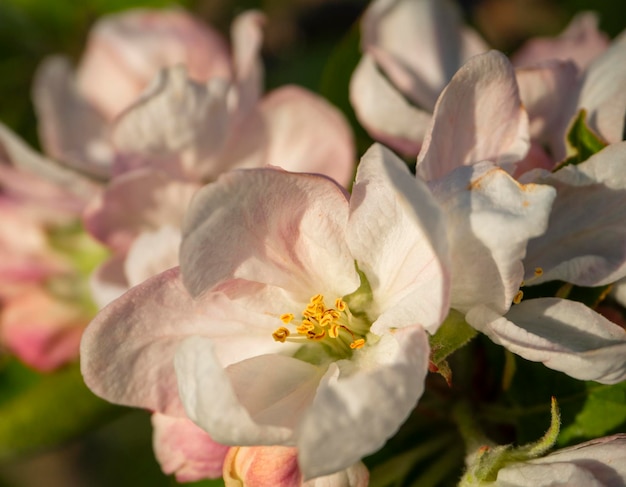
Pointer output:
281, 334
319, 323
538, 271
518, 297
356, 344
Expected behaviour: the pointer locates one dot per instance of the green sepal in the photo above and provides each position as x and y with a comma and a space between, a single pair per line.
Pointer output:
485, 462
50, 410
582, 142
453, 334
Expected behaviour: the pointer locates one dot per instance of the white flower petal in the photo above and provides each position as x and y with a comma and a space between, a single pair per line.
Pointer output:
490, 218
397, 235
235, 404
581, 42
272, 227
152, 253
600, 462
285, 131
247, 38
424, 43
136, 337
564, 335
384, 111
14, 151
585, 243
479, 116
354, 413
70, 128
548, 92
177, 116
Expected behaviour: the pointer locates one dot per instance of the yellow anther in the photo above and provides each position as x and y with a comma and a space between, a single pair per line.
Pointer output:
286, 318
518, 297
281, 334
316, 336
356, 344
319, 322
538, 271
303, 329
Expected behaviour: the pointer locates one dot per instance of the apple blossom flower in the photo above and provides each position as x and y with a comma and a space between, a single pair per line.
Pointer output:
258, 466
157, 88
124, 52
575, 245
292, 303
412, 49
43, 303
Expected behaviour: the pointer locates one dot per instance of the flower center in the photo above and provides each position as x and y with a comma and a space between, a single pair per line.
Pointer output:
335, 327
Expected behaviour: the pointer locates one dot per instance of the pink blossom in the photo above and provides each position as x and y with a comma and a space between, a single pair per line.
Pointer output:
259, 466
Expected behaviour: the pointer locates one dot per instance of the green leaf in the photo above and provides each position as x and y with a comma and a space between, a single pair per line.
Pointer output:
53, 409
603, 412
582, 141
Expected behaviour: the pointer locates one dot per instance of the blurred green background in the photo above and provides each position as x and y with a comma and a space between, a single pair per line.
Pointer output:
308, 42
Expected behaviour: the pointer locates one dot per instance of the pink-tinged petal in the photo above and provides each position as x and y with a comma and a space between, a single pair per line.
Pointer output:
177, 116
152, 253
143, 200
419, 44
384, 111
126, 50
286, 130
581, 42
490, 218
137, 336
42, 331
600, 462
564, 335
585, 243
108, 282
260, 466
15, 152
397, 235
602, 94
185, 450
42, 200
479, 116
70, 128
536, 158
375, 392
247, 39
272, 227
548, 92
255, 392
